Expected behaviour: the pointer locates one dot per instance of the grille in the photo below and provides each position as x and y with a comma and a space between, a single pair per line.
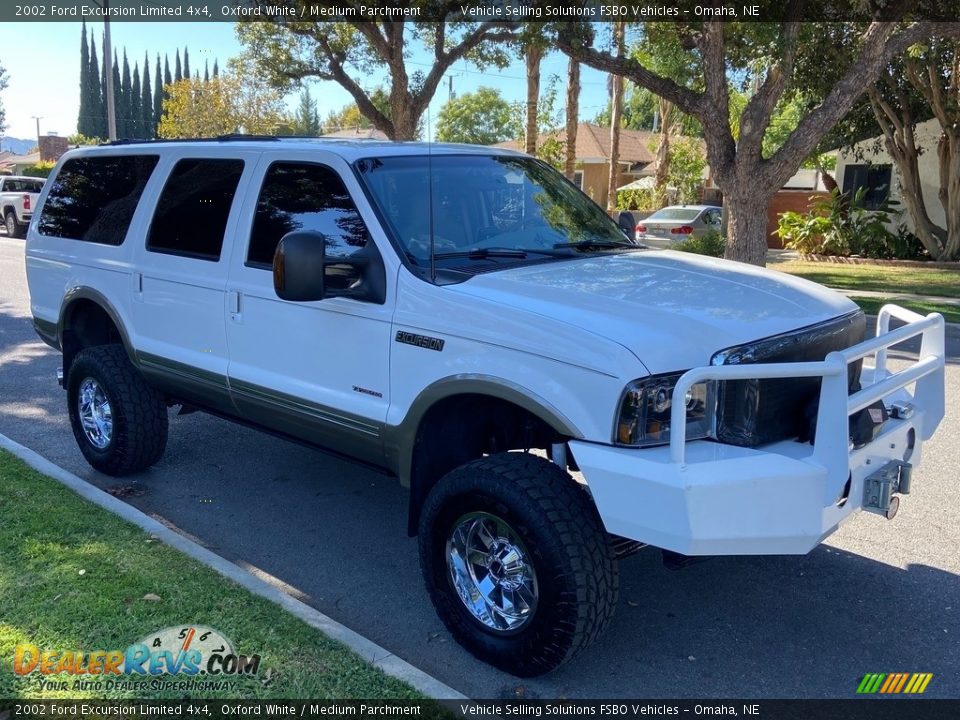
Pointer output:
754, 412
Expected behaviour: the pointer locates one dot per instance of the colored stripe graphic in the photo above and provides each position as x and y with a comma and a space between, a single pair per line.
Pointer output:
894, 683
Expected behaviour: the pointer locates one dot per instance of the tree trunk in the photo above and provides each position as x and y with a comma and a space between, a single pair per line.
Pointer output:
533, 56
948, 151
663, 151
616, 110
747, 223
573, 113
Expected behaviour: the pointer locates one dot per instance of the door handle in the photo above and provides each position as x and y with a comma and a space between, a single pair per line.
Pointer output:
235, 305
137, 280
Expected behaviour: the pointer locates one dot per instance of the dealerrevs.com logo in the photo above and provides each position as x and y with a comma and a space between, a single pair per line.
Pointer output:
172, 658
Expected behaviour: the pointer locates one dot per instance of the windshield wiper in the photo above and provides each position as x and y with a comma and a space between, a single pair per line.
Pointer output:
596, 245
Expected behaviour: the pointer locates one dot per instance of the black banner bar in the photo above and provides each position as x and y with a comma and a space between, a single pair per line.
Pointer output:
618, 709
476, 10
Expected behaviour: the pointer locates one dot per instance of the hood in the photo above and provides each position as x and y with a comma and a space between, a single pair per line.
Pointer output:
672, 310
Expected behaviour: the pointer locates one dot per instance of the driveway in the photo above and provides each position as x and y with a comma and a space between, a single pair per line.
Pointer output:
879, 596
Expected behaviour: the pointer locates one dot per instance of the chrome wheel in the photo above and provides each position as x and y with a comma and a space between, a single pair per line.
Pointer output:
11, 225
492, 572
96, 417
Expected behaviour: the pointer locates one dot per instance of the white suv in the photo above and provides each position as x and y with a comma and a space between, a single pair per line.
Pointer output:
442, 312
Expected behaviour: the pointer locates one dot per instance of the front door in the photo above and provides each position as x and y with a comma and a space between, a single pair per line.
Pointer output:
318, 371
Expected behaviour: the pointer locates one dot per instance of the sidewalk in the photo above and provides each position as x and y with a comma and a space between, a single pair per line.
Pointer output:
901, 296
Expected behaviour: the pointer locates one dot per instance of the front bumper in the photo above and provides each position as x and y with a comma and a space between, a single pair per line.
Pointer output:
707, 498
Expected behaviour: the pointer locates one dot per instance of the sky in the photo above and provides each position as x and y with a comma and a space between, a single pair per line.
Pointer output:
42, 61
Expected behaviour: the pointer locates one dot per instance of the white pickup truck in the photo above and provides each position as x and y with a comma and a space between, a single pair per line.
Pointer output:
18, 198
464, 318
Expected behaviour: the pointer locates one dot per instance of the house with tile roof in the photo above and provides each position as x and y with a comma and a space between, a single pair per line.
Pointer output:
636, 159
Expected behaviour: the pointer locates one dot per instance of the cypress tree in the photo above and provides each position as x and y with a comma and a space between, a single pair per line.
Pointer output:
136, 111
118, 98
157, 97
126, 91
103, 93
216, 69
206, 71
178, 71
85, 114
97, 102
146, 102
186, 63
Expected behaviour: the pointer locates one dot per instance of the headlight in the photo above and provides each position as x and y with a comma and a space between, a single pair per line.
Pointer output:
644, 416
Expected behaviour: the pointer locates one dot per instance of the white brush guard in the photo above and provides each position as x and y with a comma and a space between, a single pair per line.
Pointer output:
707, 498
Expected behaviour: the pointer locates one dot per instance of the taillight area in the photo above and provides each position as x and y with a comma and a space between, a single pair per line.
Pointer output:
26, 202
641, 229
682, 230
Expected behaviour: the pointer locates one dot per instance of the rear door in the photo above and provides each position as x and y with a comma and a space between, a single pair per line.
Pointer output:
178, 289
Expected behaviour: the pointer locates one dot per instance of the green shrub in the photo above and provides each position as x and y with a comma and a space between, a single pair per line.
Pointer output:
840, 225
711, 243
39, 170
644, 200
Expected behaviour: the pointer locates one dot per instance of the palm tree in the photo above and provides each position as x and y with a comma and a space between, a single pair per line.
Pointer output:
616, 111
573, 112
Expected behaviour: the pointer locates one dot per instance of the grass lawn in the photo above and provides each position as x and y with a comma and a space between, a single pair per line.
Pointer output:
872, 305
879, 278
74, 577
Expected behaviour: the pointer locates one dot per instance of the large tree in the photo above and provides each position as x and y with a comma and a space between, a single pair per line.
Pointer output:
231, 103
158, 95
481, 118
749, 180
924, 84
616, 107
340, 51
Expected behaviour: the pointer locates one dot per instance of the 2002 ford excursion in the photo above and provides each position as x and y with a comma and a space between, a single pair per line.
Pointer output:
443, 311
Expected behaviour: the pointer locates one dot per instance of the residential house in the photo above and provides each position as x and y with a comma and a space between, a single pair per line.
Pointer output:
358, 134
869, 166
637, 159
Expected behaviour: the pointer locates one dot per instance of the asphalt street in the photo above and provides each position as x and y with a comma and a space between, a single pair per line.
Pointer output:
878, 596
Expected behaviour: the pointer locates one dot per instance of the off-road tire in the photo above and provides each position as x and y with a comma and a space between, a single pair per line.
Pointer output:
139, 412
575, 567
14, 228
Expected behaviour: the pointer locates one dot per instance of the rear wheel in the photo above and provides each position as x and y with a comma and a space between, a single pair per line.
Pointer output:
118, 420
517, 562
14, 229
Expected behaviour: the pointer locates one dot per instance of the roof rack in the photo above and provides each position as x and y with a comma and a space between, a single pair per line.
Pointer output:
219, 138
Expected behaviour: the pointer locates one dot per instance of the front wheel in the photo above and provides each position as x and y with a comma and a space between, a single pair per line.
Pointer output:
517, 562
119, 421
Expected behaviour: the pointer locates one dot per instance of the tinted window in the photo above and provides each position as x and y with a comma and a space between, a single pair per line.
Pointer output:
302, 196
94, 198
191, 215
28, 186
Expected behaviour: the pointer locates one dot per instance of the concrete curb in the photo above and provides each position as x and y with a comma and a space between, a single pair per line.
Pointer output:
368, 650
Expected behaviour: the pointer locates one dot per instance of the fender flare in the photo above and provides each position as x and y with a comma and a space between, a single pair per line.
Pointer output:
75, 294
399, 440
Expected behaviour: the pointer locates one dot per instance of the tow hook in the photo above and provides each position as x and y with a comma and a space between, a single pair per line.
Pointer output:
60, 377
880, 488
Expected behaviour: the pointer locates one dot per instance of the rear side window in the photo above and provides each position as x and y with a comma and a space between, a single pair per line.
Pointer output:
304, 196
93, 198
191, 215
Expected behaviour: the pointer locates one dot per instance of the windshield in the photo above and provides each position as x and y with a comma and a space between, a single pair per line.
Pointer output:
484, 204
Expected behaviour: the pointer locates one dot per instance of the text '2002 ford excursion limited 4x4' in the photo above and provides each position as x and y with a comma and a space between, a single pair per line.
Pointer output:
441, 311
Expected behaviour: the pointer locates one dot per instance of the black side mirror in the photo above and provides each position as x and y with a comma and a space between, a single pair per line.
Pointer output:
626, 223
302, 272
